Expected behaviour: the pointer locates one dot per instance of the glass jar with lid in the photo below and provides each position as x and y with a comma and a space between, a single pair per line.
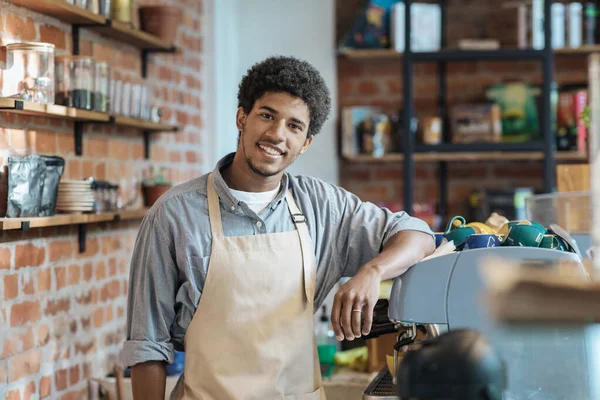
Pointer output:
75, 81
102, 87
28, 72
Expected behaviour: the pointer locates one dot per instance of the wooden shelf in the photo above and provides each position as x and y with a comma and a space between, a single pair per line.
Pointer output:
70, 219
76, 114
468, 156
143, 124
62, 10
50, 110
123, 32
74, 15
366, 54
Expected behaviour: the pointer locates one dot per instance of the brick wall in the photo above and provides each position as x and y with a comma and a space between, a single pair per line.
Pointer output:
379, 82
62, 314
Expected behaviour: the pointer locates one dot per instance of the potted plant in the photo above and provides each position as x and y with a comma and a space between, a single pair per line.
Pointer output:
155, 186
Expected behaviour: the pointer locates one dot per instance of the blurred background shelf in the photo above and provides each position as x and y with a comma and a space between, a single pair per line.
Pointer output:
70, 219
143, 124
458, 54
469, 156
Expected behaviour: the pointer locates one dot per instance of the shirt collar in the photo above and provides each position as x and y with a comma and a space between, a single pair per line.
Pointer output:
228, 200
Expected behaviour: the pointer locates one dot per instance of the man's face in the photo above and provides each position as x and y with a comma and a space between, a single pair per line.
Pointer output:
274, 133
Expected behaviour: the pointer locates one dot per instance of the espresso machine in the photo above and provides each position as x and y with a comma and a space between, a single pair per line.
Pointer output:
446, 293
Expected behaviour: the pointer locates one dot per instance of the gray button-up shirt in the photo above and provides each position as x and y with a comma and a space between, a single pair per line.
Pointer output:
173, 247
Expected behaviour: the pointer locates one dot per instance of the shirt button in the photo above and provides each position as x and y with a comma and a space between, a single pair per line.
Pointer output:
232, 208
258, 223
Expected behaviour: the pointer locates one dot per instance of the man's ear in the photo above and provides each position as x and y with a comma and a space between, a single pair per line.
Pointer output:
307, 143
240, 119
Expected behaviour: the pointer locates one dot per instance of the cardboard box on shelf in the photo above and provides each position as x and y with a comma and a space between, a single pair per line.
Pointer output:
473, 123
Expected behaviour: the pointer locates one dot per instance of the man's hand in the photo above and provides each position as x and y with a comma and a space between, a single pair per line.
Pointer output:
355, 299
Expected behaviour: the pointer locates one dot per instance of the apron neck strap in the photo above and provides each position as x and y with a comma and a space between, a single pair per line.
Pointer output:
214, 209
297, 215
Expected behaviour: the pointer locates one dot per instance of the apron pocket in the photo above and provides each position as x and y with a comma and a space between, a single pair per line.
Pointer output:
318, 394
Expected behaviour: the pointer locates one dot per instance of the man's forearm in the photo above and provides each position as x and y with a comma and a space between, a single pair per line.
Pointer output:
148, 380
401, 251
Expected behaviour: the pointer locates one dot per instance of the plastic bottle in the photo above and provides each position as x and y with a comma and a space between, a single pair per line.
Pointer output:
326, 344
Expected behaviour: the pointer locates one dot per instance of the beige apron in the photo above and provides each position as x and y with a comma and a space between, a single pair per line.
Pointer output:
252, 336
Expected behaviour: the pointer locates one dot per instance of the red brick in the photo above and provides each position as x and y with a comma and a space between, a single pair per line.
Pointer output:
110, 291
119, 149
191, 157
120, 312
60, 250
87, 169
65, 143
109, 314
10, 347
13, 395
22, 27
100, 271
389, 173
85, 348
98, 318
4, 258
100, 171
60, 379
25, 364
60, 274
45, 387
58, 306
112, 266
74, 274
138, 151
73, 170
29, 391
22, 313
11, 286
45, 142
97, 147
88, 271
91, 248
3, 370
28, 255
28, 283
74, 375
44, 280
27, 340
53, 35
43, 335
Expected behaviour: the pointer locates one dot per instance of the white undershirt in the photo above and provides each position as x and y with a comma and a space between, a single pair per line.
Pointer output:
256, 201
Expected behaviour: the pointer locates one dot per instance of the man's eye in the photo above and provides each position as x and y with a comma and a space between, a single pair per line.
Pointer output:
296, 127
264, 115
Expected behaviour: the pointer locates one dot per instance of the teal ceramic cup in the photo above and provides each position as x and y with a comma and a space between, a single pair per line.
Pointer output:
554, 242
524, 235
460, 233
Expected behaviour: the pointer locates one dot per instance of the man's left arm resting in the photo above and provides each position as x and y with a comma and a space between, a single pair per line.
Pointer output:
354, 302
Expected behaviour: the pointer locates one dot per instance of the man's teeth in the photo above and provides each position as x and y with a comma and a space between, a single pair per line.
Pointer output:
269, 150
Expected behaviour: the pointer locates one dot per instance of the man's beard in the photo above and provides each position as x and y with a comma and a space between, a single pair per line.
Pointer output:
254, 168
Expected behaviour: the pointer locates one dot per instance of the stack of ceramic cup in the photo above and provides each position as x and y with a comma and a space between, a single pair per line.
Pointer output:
74, 196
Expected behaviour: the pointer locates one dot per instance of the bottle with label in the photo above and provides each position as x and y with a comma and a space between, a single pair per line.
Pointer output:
326, 344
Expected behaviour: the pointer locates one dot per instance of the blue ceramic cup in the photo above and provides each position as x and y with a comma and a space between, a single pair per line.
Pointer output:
438, 239
482, 240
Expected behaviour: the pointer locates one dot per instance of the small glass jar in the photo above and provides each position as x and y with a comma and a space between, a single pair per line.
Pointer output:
29, 72
102, 88
75, 81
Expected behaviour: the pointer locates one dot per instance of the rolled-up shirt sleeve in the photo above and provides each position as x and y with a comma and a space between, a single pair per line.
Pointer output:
151, 296
365, 228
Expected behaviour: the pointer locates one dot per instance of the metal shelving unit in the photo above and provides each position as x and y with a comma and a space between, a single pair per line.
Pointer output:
409, 58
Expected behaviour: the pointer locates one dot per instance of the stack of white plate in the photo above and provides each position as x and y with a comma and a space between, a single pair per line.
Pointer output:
75, 196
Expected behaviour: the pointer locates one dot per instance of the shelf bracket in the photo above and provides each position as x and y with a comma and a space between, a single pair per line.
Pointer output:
81, 234
146, 52
25, 225
78, 138
147, 144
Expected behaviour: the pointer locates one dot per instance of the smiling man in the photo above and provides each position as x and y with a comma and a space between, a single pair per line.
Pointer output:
231, 266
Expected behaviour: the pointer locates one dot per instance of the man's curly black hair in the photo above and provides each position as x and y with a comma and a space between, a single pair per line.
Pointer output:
287, 74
